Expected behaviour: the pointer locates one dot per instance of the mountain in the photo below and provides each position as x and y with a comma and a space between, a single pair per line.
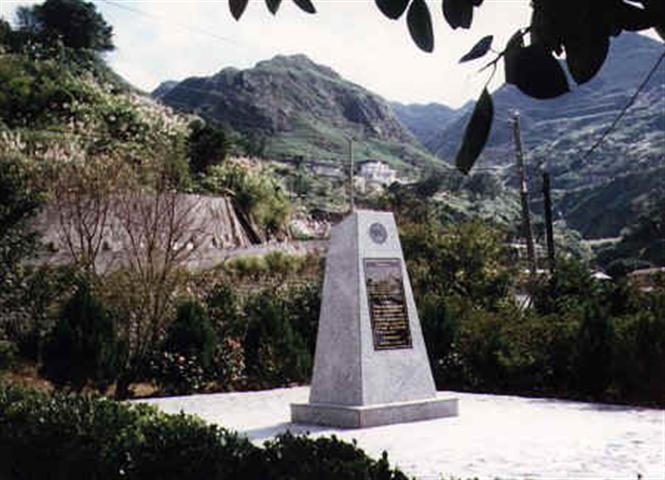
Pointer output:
424, 120
297, 108
163, 89
595, 195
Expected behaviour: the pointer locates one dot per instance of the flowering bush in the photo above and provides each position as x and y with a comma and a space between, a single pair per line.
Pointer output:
178, 374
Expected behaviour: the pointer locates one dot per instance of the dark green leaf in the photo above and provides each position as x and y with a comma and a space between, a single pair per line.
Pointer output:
656, 9
479, 49
237, 8
458, 13
420, 25
538, 74
273, 5
476, 134
585, 56
633, 18
305, 5
392, 9
513, 48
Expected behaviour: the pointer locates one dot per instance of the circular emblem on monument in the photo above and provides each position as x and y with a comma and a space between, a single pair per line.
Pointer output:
378, 233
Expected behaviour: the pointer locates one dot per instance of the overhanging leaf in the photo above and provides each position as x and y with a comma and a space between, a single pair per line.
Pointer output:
273, 5
458, 13
305, 5
633, 18
585, 56
513, 48
656, 9
392, 9
538, 74
479, 49
420, 25
237, 8
476, 134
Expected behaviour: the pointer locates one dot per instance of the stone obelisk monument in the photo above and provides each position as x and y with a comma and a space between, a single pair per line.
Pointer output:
371, 366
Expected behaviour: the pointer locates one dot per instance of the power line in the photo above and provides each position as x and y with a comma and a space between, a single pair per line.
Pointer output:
184, 26
624, 109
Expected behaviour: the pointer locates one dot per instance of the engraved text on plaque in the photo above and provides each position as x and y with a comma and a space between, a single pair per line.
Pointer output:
387, 304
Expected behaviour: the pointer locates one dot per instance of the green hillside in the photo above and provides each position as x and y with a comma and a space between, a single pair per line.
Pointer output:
293, 107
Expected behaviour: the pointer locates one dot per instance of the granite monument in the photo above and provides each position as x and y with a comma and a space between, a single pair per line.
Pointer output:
371, 366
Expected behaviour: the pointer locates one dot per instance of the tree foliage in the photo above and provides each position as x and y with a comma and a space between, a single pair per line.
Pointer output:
19, 202
207, 145
75, 23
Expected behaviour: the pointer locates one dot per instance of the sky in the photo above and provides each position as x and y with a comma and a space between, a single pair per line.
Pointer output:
158, 40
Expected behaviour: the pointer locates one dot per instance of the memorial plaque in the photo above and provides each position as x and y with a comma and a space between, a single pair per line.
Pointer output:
387, 303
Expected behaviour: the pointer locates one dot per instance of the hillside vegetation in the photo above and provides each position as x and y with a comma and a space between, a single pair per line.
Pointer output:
291, 107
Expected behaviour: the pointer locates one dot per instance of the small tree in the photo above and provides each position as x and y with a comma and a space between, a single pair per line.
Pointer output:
160, 232
191, 334
207, 145
83, 345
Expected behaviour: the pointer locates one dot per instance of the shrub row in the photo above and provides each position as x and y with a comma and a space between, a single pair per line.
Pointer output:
81, 437
592, 342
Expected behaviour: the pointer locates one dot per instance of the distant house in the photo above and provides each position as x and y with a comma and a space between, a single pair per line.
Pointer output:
326, 169
377, 172
647, 278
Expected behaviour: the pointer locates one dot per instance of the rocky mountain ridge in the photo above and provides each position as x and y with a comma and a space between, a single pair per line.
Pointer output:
301, 108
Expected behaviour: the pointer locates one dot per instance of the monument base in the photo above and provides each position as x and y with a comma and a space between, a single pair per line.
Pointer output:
346, 416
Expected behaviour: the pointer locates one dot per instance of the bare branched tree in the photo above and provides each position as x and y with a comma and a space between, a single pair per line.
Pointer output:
160, 231
83, 194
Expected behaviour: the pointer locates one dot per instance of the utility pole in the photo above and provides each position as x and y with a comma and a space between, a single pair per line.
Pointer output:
524, 195
548, 221
351, 201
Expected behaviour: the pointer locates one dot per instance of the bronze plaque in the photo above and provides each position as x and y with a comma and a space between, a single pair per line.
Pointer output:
387, 303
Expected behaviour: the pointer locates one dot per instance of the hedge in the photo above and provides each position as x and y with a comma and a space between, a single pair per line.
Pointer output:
67, 436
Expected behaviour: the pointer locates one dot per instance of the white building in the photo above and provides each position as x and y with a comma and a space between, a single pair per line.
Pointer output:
377, 172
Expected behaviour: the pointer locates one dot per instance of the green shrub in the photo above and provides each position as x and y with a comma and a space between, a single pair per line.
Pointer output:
71, 437
191, 334
283, 264
303, 303
274, 351
223, 306
638, 356
257, 192
439, 331
229, 361
253, 266
83, 345
329, 459
8, 352
593, 360
188, 351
